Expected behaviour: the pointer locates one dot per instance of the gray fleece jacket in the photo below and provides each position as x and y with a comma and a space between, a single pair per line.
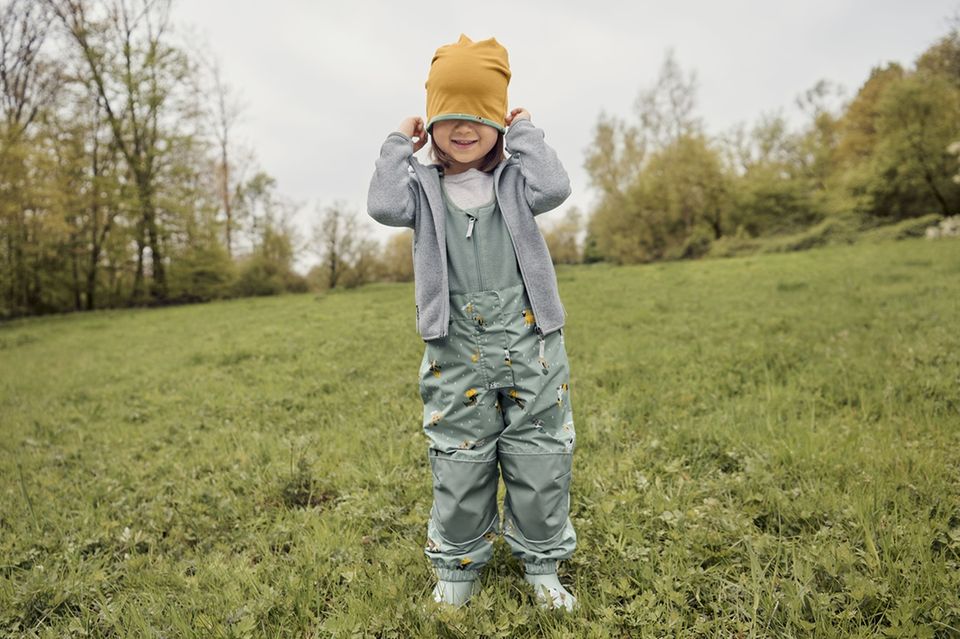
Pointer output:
404, 192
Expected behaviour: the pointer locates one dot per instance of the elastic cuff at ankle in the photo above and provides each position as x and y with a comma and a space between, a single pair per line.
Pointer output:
543, 568
445, 574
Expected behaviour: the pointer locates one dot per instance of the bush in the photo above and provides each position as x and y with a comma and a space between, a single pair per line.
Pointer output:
261, 276
733, 245
911, 227
201, 274
833, 230
697, 243
841, 229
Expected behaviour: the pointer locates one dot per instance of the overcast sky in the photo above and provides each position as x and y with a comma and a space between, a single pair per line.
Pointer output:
325, 82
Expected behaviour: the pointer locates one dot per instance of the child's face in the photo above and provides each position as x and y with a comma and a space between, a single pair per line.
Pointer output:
465, 142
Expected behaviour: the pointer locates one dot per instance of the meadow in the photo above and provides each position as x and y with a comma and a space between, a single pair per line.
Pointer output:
766, 447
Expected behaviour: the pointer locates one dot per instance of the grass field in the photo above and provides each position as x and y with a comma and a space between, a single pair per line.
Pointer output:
766, 447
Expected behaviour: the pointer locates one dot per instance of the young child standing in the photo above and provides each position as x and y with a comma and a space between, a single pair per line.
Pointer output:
494, 377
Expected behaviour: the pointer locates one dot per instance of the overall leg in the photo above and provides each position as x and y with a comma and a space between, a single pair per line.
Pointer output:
462, 423
536, 454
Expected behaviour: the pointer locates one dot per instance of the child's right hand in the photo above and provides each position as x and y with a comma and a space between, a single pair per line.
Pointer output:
412, 127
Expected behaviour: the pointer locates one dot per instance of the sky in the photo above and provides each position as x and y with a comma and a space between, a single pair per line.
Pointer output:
323, 83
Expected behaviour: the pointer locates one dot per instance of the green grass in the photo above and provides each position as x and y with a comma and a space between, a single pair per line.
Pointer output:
767, 447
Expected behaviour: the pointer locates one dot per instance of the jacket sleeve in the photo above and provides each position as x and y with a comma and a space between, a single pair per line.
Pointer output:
546, 184
393, 195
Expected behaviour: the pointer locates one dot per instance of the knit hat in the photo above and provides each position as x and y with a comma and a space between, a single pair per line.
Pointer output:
468, 81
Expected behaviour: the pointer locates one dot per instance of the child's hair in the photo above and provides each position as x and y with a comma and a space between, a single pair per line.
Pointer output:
490, 160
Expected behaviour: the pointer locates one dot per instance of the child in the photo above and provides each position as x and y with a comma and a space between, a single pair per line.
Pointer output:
494, 376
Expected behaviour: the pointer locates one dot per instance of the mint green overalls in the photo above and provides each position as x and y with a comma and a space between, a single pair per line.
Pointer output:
495, 391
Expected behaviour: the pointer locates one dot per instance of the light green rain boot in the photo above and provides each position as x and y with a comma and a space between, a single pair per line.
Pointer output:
550, 592
455, 593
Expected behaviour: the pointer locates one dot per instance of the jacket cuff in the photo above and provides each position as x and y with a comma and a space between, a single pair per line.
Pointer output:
519, 125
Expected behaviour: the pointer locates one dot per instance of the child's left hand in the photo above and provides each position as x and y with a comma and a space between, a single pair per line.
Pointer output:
517, 114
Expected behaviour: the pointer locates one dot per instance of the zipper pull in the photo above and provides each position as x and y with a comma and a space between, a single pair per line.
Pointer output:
470, 226
542, 359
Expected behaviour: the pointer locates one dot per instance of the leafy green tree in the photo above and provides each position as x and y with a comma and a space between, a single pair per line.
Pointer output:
682, 190
858, 124
204, 271
892, 157
943, 57
918, 117
659, 179
268, 266
268, 270
136, 73
118, 184
27, 84
777, 174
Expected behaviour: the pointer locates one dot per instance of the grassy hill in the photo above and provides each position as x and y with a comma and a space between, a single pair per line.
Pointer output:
766, 446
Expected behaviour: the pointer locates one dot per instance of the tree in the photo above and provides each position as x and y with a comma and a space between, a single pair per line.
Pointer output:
229, 165
268, 270
682, 191
777, 175
112, 189
817, 144
27, 83
135, 73
255, 209
893, 144
562, 238
943, 57
335, 241
658, 179
90, 188
397, 260
918, 117
26, 79
267, 267
364, 264
858, 124
667, 110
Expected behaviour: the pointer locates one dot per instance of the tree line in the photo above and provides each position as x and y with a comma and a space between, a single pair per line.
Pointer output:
122, 181
669, 190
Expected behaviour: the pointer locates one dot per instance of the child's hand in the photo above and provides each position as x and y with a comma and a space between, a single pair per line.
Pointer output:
517, 114
412, 127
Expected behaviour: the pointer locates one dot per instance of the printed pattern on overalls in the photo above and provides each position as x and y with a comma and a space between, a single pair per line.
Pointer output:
496, 391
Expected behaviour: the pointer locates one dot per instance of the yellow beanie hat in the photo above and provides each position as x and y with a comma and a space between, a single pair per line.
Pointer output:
468, 81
